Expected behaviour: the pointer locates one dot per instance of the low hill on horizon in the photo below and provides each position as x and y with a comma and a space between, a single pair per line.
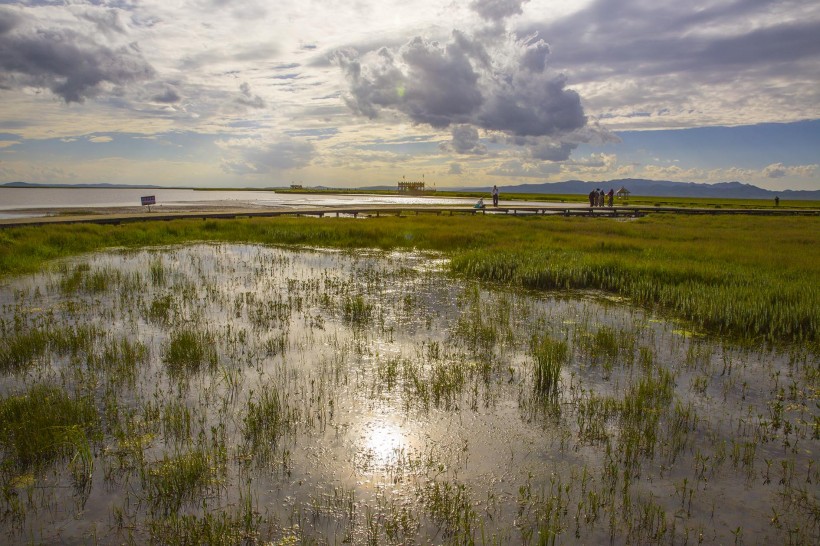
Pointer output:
659, 188
636, 186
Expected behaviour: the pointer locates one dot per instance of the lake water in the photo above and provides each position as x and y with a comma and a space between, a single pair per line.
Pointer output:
23, 201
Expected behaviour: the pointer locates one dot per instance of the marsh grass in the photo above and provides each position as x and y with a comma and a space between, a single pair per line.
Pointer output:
549, 357
357, 311
711, 271
184, 478
122, 360
219, 528
20, 350
44, 425
268, 419
188, 352
162, 308
451, 508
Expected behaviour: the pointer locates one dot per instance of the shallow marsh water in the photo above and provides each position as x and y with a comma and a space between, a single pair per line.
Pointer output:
256, 394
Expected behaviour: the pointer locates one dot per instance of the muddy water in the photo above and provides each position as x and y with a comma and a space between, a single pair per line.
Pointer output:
409, 408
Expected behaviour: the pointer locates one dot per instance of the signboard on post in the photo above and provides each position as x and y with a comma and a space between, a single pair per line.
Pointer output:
148, 200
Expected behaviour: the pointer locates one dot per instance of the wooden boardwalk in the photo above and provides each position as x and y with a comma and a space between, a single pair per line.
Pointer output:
396, 210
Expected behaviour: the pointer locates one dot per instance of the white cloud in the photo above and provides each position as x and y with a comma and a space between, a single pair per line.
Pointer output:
779, 170
502, 86
248, 156
515, 168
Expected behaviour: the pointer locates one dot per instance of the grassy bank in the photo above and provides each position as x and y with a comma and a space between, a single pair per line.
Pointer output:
742, 276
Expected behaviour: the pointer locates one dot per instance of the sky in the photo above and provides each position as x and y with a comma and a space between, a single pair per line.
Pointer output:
266, 93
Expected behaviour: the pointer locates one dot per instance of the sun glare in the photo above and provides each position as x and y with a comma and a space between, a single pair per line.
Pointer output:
382, 441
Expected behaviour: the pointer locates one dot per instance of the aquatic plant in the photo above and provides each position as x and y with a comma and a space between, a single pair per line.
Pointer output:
45, 424
189, 351
549, 357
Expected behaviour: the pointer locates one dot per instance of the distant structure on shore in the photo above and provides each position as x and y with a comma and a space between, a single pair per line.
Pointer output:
414, 186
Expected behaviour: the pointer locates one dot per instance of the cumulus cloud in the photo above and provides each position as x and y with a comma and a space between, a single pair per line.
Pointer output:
779, 170
69, 63
775, 170
246, 156
465, 141
455, 168
504, 87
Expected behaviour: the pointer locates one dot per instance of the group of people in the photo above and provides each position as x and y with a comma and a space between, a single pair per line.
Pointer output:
599, 198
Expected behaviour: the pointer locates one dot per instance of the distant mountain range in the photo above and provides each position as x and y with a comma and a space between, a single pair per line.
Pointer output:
643, 187
100, 185
663, 188
636, 186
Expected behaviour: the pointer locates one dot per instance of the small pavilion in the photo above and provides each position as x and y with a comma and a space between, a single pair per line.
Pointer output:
622, 193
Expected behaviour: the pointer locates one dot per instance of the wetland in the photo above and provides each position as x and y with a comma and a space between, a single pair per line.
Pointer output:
231, 391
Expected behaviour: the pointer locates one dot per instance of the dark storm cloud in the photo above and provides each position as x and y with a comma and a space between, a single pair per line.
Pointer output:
496, 10
505, 88
70, 64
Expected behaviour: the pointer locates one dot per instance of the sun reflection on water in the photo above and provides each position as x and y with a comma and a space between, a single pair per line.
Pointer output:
383, 443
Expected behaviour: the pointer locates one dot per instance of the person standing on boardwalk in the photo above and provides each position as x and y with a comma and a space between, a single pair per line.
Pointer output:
611, 196
593, 195
776, 200
495, 195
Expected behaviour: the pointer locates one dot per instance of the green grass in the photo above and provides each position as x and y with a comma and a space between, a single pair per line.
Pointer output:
188, 352
549, 356
184, 478
43, 425
753, 277
267, 419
